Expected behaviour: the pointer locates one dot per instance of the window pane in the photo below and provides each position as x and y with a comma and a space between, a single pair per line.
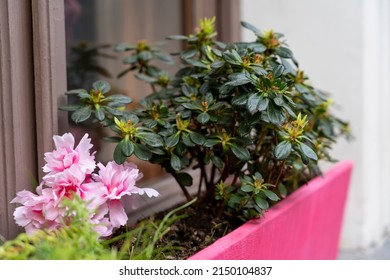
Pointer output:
93, 29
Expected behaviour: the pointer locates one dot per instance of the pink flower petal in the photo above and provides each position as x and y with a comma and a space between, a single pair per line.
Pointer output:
118, 215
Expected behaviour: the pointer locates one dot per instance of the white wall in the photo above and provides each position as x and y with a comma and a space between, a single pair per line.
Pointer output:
343, 45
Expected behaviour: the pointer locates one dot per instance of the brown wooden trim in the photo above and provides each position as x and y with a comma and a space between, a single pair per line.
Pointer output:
228, 23
227, 13
49, 71
17, 114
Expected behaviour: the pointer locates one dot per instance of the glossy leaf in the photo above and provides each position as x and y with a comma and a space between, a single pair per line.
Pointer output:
142, 152
119, 157
271, 195
308, 151
184, 178
240, 152
262, 203
283, 150
127, 147
172, 140
175, 162
203, 118
103, 86
81, 114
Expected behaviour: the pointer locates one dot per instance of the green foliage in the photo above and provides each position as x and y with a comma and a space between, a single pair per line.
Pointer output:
77, 240
233, 111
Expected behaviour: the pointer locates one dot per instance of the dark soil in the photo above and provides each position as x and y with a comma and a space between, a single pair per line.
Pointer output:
201, 228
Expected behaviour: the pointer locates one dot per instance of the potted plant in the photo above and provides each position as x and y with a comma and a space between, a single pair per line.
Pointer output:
243, 114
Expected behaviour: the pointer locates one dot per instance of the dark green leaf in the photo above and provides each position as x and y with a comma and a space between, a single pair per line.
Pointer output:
70, 108
130, 59
247, 188
275, 115
263, 103
142, 152
175, 162
177, 37
257, 47
240, 152
124, 47
308, 151
197, 63
77, 91
99, 114
197, 138
282, 190
210, 142
217, 161
203, 118
284, 52
289, 111
187, 140
240, 100
225, 89
191, 106
278, 71
279, 101
259, 70
81, 114
232, 57
262, 203
122, 99
119, 157
184, 179
271, 195
172, 140
145, 78
151, 139
251, 27
216, 106
112, 139
113, 111
283, 150
164, 57
217, 64
103, 86
253, 102
145, 55
188, 54
127, 147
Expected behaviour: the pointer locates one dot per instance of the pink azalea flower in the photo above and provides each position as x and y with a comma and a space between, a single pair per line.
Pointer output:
69, 173
119, 180
31, 215
66, 156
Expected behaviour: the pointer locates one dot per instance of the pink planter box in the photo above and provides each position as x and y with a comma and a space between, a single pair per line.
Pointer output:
305, 225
